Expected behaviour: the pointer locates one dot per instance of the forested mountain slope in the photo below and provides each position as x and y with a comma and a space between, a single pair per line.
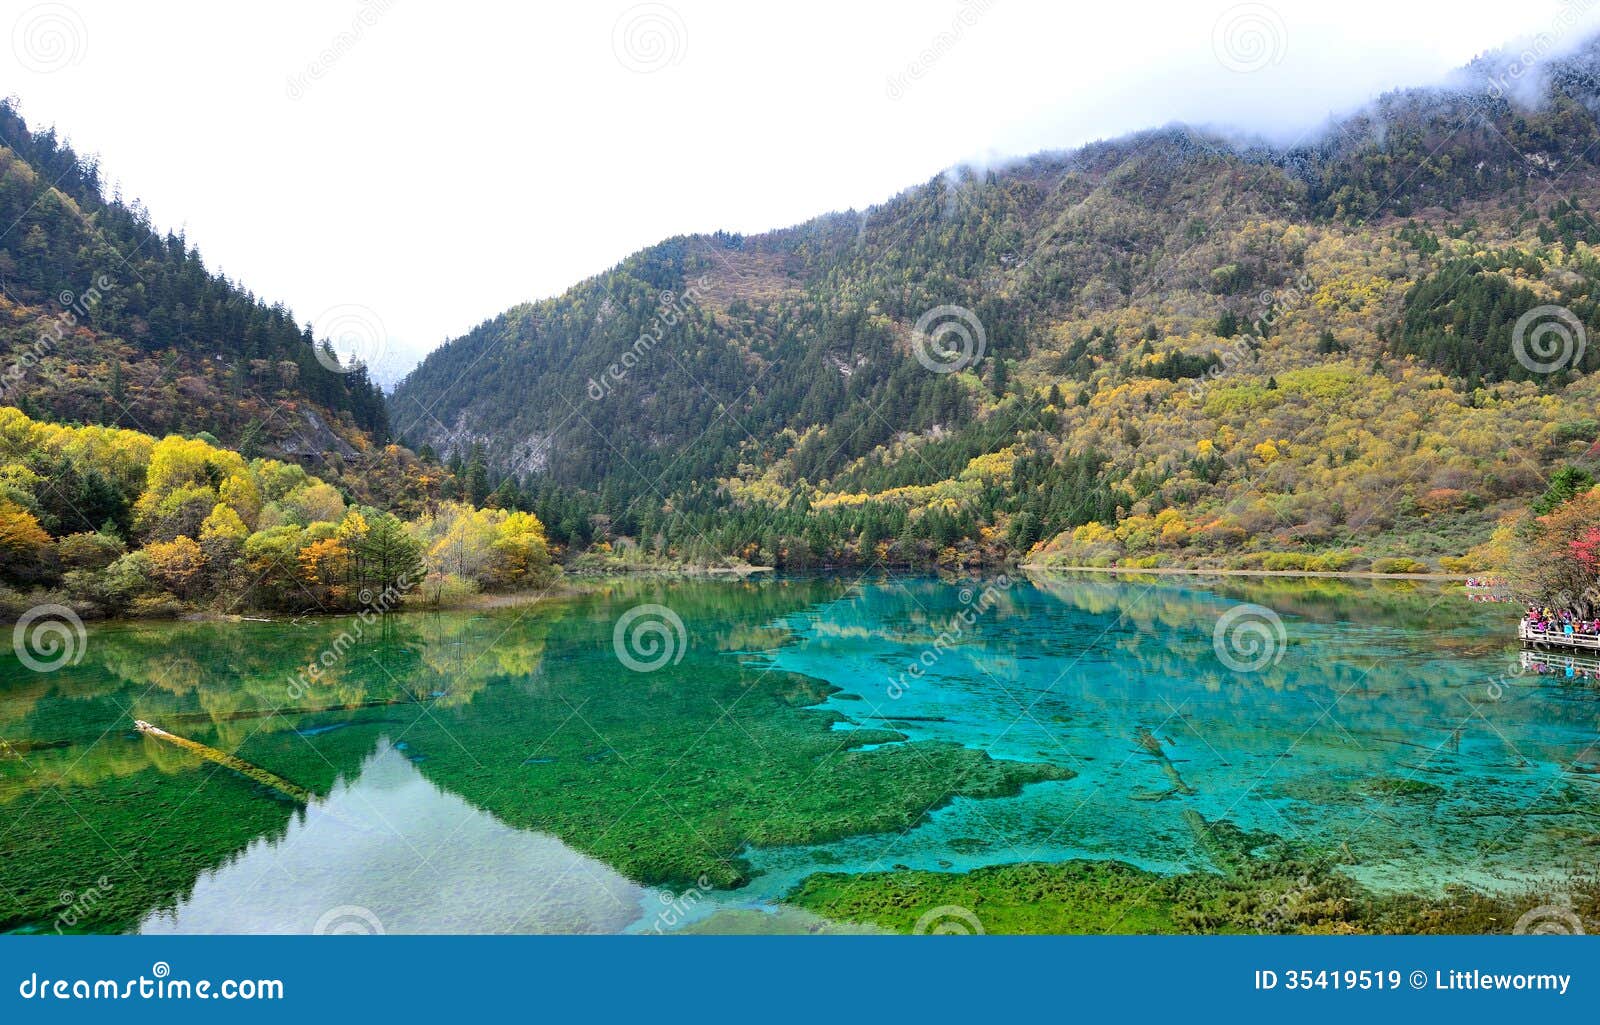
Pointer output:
1172, 348
104, 320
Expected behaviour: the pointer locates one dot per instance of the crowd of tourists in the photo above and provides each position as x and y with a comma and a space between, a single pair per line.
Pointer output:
1563, 622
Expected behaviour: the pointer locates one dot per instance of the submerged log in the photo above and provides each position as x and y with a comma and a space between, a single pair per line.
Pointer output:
295, 793
1153, 748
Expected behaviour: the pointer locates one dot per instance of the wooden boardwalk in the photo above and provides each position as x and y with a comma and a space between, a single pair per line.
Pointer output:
1557, 638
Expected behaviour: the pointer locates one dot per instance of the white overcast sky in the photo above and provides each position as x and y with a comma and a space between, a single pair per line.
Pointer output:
447, 160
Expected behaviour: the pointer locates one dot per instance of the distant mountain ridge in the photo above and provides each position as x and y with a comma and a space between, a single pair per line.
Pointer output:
784, 416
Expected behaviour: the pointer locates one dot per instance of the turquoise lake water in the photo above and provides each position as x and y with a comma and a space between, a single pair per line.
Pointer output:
506, 772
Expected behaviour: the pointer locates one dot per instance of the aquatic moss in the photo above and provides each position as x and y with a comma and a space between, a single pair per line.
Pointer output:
1275, 893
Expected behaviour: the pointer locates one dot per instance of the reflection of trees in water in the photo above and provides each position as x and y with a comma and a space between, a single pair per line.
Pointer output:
228, 685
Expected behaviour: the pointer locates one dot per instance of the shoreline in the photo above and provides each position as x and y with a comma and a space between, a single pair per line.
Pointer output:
1181, 571
570, 585
577, 582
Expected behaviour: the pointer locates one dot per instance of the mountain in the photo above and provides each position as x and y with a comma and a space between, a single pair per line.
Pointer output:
105, 320
1172, 348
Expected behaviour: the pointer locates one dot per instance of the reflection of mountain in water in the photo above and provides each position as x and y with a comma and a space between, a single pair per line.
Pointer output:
417, 858
664, 776
455, 761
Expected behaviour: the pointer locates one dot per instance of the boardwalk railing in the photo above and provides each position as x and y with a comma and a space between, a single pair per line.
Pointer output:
1560, 662
1557, 637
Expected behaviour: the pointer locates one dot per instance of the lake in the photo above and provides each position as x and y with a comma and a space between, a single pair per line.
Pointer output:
802, 754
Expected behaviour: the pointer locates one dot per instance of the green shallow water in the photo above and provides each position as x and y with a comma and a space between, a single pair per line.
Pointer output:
507, 772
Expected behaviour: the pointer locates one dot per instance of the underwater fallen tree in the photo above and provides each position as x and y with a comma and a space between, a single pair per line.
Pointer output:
293, 792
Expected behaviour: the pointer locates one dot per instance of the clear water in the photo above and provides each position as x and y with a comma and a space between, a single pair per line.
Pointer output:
507, 772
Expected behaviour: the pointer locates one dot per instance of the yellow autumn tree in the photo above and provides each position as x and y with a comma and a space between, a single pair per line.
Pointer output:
176, 564
521, 555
